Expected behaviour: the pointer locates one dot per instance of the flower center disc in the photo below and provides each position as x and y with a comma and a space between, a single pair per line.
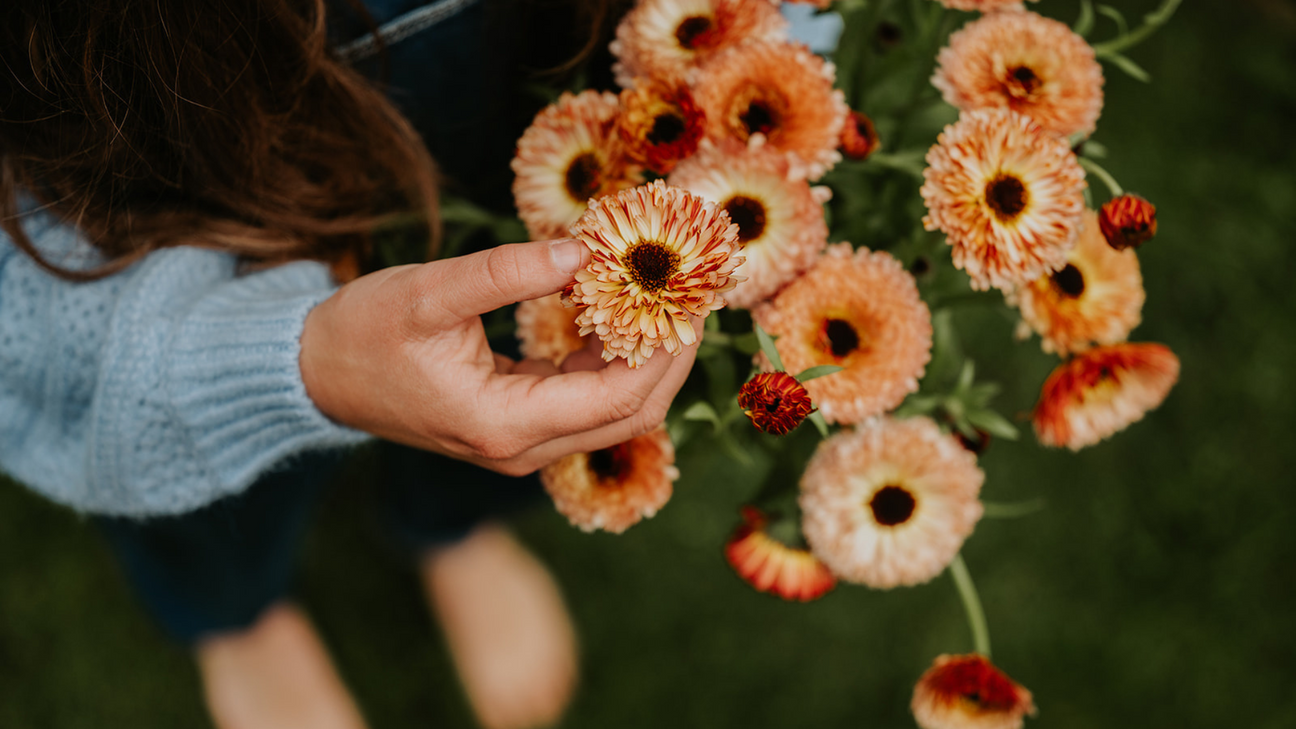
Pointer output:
839, 337
748, 214
582, 179
759, 117
609, 464
892, 505
1006, 196
1069, 281
1022, 82
666, 128
693, 32
651, 265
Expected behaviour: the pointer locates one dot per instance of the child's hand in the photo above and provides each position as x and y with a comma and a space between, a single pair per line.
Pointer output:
401, 353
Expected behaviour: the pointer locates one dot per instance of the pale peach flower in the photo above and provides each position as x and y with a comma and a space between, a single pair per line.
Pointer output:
669, 39
780, 217
969, 692
890, 502
860, 311
1008, 195
1024, 62
546, 329
1102, 391
568, 155
781, 92
768, 565
660, 255
614, 488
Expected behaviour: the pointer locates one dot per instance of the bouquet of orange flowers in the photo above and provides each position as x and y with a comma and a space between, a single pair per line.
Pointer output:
824, 218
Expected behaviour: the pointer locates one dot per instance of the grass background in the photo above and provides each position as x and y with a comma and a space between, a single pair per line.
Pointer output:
1156, 589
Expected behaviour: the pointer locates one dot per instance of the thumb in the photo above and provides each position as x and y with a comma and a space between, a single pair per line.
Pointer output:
475, 284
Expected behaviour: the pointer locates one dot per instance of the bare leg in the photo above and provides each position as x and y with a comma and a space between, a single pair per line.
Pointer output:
275, 675
507, 628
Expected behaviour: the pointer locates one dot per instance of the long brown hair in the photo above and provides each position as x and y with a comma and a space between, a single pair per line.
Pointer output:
221, 123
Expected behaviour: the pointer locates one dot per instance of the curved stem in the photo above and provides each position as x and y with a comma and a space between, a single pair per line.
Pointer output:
1094, 168
1151, 23
971, 605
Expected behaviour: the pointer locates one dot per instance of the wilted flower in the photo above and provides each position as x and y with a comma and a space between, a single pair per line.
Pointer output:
660, 254
614, 488
969, 692
772, 566
1008, 194
1102, 391
891, 502
660, 124
775, 402
546, 329
858, 138
1128, 221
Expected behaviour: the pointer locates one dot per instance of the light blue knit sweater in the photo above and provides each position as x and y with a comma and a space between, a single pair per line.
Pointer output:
157, 390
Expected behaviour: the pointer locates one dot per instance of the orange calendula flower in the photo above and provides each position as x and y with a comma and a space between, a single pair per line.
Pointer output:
860, 311
969, 692
1102, 391
660, 255
568, 155
1024, 62
1008, 195
780, 91
546, 329
858, 138
890, 502
772, 566
1097, 297
780, 217
1128, 221
614, 488
660, 124
775, 402
669, 39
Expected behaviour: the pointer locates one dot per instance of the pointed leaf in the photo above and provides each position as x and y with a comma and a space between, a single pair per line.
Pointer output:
702, 411
817, 371
767, 346
993, 423
818, 419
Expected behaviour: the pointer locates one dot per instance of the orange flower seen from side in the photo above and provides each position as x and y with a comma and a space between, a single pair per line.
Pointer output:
771, 566
659, 255
860, 311
780, 217
1097, 297
775, 402
1025, 62
660, 124
1128, 221
669, 39
969, 692
614, 488
781, 92
1101, 392
568, 155
891, 502
1008, 195
546, 329
858, 138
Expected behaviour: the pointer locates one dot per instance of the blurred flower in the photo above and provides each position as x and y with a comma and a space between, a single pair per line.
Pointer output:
1097, 297
775, 402
1007, 193
984, 6
567, 156
969, 692
660, 254
891, 502
1102, 391
668, 39
1024, 62
660, 124
858, 138
780, 91
780, 218
771, 566
1128, 221
546, 329
614, 488
860, 311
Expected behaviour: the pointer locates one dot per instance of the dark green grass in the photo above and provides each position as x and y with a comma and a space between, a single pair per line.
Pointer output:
1155, 590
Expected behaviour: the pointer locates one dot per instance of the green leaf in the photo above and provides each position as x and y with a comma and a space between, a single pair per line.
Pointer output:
817, 371
818, 419
1096, 150
747, 343
1012, 509
918, 405
767, 346
1085, 22
1124, 63
993, 423
966, 377
702, 411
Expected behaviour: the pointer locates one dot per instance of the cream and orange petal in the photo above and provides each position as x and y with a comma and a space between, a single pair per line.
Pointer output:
969, 692
614, 488
770, 566
546, 329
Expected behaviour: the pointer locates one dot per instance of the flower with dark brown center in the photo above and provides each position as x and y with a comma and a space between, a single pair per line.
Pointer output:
1128, 221
659, 124
858, 138
613, 488
969, 692
775, 402
1006, 197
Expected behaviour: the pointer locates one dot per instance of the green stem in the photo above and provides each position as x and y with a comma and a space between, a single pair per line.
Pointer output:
1151, 23
971, 605
1094, 168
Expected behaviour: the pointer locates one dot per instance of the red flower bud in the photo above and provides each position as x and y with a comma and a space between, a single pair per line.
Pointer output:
858, 138
775, 402
1128, 221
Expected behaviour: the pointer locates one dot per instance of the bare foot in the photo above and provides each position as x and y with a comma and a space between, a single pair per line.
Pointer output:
507, 628
275, 675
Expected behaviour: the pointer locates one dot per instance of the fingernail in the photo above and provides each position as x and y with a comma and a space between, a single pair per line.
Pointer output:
568, 255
